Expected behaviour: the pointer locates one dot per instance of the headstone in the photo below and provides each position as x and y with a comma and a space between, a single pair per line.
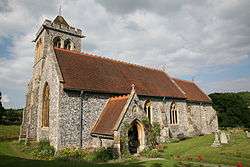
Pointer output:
248, 134
228, 137
223, 138
216, 142
181, 136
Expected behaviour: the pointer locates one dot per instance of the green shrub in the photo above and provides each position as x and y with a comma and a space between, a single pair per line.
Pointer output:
174, 140
151, 153
11, 116
104, 154
124, 141
44, 150
152, 132
71, 154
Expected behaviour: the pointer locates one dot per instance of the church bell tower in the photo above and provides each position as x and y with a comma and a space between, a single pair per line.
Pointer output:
56, 33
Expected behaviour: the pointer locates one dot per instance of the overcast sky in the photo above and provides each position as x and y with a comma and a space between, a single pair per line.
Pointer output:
205, 40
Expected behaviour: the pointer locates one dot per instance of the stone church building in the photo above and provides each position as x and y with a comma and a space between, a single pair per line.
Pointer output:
76, 99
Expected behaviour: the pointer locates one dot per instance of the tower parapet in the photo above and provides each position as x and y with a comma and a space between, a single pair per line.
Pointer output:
59, 24
56, 33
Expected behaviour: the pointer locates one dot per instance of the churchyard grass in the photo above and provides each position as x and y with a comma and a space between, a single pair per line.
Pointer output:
199, 149
194, 150
8, 132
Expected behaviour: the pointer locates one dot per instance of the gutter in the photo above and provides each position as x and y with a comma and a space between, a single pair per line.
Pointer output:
123, 93
104, 136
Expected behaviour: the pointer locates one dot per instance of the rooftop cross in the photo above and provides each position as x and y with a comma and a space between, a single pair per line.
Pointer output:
60, 2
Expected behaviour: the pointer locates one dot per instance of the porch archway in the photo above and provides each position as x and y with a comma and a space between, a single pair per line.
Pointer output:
136, 137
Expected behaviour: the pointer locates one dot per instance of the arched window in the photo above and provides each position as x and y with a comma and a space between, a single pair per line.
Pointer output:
46, 104
38, 50
147, 109
67, 44
57, 42
173, 113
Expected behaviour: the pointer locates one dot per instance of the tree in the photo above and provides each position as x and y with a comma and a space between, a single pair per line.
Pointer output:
1, 106
2, 110
232, 109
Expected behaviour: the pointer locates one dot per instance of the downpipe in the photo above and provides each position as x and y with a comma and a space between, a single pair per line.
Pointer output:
81, 116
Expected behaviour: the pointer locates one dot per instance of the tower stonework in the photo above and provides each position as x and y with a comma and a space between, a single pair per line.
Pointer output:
56, 33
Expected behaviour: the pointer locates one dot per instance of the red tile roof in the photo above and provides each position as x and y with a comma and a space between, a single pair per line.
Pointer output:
192, 91
97, 74
110, 115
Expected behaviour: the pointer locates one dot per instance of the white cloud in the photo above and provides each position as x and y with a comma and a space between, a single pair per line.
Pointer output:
5, 99
236, 85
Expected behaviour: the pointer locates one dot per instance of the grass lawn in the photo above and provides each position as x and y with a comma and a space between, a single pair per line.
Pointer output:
12, 156
199, 149
9, 132
195, 150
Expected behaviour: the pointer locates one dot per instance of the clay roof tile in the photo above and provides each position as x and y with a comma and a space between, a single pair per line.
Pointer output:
192, 91
98, 74
110, 115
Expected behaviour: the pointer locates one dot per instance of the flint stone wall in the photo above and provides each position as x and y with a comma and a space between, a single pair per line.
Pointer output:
202, 119
52, 34
70, 118
160, 114
49, 75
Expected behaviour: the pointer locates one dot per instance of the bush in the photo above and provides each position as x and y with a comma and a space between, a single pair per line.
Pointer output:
174, 140
104, 154
71, 154
44, 150
152, 132
150, 153
11, 116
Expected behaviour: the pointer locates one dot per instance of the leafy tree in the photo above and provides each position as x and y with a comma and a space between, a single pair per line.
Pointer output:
246, 96
2, 110
232, 109
10, 116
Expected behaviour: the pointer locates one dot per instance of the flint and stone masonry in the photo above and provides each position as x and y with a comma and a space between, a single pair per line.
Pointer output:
73, 113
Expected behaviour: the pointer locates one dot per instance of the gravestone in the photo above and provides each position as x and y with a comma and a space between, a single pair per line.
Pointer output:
228, 137
248, 134
223, 138
216, 142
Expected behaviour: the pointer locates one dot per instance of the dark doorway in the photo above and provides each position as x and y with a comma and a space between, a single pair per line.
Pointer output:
133, 142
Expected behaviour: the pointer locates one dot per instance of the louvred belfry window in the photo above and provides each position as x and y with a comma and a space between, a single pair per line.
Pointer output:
57, 42
46, 104
67, 44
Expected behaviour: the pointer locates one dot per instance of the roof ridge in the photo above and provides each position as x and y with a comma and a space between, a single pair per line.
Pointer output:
184, 93
194, 84
183, 80
107, 58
